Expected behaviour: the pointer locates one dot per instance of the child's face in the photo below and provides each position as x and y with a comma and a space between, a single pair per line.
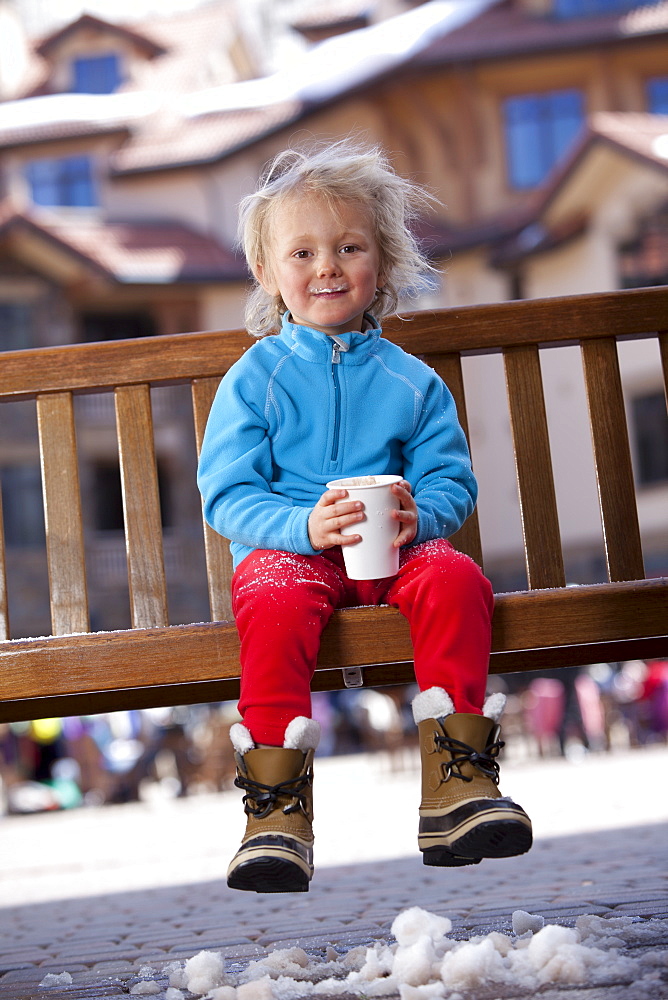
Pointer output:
324, 262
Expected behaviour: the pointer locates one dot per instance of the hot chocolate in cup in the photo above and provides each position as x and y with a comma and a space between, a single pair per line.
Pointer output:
374, 557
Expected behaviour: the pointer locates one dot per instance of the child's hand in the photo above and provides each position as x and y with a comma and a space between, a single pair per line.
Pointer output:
407, 514
331, 513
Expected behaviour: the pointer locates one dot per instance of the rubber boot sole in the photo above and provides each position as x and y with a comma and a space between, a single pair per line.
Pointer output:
504, 839
271, 863
269, 875
473, 830
440, 857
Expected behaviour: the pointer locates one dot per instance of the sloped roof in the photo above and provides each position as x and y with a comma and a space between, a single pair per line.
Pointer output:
506, 28
643, 137
345, 15
89, 22
522, 232
328, 12
152, 253
169, 142
218, 121
134, 252
52, 131
186, 51
175, 120
439, 238
342, 63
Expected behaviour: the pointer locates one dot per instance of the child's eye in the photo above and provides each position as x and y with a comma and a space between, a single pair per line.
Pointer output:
301, 254
349, 248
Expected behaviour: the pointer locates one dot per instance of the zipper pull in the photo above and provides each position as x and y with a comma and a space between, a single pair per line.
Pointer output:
338, 345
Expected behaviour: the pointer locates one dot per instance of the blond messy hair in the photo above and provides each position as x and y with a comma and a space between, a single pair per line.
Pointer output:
344, 171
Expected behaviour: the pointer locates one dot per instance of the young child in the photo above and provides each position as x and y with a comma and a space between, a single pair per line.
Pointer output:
323, 396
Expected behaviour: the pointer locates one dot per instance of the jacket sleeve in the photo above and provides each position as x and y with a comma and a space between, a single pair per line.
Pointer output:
235, 470
438, 465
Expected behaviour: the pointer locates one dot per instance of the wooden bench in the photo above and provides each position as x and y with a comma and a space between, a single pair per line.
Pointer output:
76, 671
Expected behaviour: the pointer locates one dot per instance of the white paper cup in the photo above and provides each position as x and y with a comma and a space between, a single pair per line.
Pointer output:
374, 557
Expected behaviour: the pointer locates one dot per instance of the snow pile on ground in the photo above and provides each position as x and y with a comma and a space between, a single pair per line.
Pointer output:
426, 962
51, 979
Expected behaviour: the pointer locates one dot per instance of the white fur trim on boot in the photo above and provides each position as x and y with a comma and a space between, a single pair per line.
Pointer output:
242, 741
434, 703
494, 706
302, 734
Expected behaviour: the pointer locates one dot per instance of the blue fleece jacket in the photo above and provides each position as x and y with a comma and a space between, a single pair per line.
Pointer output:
297, 410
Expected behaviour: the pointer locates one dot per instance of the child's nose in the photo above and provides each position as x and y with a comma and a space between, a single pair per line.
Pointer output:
328, 264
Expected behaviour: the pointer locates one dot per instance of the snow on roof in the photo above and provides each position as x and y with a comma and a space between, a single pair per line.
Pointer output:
31, 112
342, 62
646, 18
323, 71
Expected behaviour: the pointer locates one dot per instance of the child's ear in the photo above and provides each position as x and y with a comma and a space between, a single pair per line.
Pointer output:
264, 276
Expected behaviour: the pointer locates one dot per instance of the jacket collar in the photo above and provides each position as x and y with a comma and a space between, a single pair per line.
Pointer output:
314, 345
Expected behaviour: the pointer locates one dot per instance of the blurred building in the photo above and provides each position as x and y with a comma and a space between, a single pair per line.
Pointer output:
542, 125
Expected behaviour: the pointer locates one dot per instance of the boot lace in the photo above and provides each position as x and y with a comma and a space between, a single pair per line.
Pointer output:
462, 753
261, 799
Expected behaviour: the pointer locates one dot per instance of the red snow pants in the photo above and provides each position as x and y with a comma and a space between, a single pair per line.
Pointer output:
282, 602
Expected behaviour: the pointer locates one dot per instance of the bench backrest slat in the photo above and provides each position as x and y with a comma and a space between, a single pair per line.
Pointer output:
141, 507
612, 460
216, 548
62, 513
449, 367
533, 466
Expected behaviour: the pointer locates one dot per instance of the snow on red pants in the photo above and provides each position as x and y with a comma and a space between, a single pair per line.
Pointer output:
282, 602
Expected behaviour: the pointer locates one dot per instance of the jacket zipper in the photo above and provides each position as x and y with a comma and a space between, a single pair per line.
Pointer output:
336, 360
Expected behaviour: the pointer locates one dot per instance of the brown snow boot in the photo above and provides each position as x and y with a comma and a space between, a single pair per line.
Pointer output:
276, 853
463, 816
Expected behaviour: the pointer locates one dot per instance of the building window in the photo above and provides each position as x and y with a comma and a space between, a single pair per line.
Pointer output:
66, 182
650, 425
539, 129
96, 74
108, 498
17, 326
116, 325
657, 95
22, 508
586, 8
643, 261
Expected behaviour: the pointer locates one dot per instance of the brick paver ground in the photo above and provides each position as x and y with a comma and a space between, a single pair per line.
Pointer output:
103, 935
